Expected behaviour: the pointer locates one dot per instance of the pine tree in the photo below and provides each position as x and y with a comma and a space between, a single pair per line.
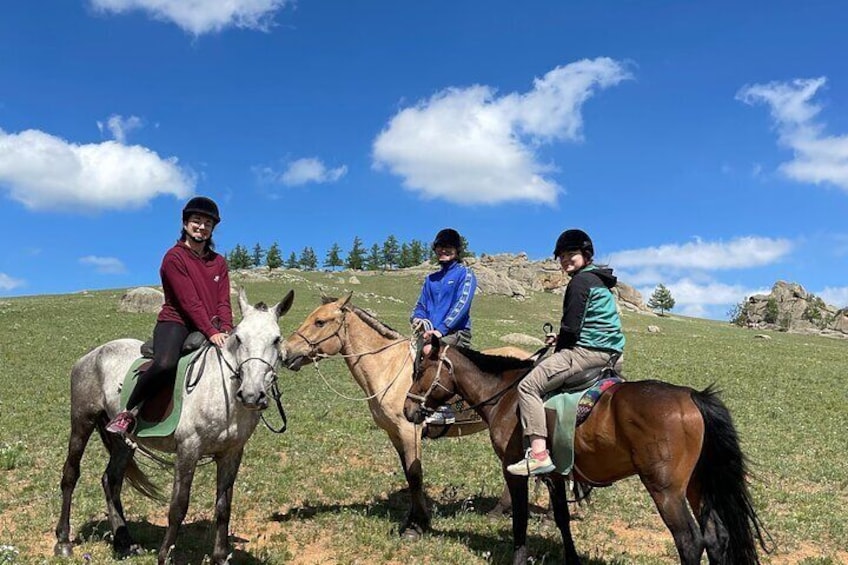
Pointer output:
405, 259
258, 253
466, 250
391, 250
417, 252
356, 256
273, 259
661, 299
291, 262
334, 259
239, 258
374, 260
308, 260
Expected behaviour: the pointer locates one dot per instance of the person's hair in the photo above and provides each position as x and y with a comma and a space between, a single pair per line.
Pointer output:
210, 245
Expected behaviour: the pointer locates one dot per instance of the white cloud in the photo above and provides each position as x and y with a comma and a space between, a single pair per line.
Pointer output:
687, 292
8, 283
201, 16
468, 145
104, 265
119, 126
835, 296
45, 172
303, 171
818, 158
740, 253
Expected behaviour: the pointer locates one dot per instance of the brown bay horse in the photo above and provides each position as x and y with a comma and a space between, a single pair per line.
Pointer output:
381, 362
680, 442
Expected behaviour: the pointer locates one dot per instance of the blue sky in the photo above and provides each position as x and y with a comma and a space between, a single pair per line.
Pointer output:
702, 145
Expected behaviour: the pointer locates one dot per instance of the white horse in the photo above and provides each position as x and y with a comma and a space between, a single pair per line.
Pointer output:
219, 414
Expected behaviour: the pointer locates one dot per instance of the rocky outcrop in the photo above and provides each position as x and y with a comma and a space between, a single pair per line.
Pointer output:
142, 300
788, 307
515, 275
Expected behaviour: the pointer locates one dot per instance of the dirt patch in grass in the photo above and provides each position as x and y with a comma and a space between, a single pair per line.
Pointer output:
640, 541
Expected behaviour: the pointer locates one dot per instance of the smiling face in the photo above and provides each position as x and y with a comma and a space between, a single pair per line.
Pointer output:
445, 253
571, 261
199, 227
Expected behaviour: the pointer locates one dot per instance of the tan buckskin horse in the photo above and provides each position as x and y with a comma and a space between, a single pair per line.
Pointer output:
380, 360
679, 441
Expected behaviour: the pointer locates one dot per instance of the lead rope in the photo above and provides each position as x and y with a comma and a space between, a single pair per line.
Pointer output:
379, 392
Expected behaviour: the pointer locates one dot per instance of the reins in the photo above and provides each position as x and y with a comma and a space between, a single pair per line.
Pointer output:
274, 389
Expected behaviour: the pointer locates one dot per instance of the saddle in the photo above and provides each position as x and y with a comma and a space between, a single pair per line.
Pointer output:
565, 411
193, 342
158, 415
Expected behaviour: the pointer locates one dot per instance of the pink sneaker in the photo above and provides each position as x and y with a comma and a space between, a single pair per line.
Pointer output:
122, 424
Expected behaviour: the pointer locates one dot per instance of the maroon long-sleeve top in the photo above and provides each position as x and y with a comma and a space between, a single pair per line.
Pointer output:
197, 290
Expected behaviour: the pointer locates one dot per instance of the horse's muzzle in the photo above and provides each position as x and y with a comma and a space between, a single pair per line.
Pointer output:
295, 362
413, 412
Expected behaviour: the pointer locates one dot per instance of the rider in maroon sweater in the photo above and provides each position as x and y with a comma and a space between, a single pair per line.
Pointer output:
196, 284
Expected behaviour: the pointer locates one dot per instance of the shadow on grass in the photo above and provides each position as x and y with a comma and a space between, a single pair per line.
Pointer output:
195, 540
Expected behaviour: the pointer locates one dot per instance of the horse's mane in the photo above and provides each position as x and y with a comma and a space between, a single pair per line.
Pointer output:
371, 320
494, 363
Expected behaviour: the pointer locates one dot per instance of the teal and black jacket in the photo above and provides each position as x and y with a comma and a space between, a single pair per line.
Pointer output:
589, 313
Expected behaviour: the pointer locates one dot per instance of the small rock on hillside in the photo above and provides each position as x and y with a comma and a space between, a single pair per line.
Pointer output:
142, 300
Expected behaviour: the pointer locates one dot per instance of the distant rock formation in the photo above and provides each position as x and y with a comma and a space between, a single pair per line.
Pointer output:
788, 307
513, 275
142, 300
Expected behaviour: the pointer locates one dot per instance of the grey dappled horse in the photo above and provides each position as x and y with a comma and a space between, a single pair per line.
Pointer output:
218, 417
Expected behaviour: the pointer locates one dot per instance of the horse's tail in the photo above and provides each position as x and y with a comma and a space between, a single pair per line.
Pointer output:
133, 474
722, 472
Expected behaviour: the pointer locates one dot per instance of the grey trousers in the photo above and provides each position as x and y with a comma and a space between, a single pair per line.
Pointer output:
551, 374
461, 338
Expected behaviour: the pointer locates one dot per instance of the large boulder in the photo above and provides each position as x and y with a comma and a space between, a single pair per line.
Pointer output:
142, 300
789, 307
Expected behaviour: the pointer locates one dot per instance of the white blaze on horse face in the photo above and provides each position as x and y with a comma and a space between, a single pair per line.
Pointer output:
255, 345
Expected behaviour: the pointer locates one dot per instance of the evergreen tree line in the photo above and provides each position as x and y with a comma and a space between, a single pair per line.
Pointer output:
391, 254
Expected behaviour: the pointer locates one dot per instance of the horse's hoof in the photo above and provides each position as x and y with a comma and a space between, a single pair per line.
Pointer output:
63, 549
411, 533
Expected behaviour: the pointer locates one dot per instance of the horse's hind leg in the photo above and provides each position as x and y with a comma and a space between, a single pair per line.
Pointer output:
81, 428
677, 517
559, 501
715, 534
120, 455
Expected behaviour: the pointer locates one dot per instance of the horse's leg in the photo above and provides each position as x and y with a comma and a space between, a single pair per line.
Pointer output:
518, 491
407, 445
183, 476
228, 467
674, 511
504, 505
81, 429
112, 482
559, 501
714, 533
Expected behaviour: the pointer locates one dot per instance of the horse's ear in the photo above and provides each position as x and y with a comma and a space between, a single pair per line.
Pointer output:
285, 304
243, 304
435, 345
345, 299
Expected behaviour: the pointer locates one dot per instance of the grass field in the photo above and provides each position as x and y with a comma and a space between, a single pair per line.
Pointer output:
330, 490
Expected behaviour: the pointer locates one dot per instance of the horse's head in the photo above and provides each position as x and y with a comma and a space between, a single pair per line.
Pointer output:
433, 383
254, 347
321, 334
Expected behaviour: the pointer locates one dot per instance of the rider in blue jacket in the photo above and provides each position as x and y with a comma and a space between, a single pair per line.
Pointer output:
443, 310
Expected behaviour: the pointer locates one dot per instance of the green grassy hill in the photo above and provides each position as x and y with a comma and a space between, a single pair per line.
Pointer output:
330, 489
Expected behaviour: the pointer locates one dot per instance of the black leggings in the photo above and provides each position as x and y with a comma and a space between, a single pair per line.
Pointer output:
168, 338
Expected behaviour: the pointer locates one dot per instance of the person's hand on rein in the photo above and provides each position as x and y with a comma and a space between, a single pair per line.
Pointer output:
219, 339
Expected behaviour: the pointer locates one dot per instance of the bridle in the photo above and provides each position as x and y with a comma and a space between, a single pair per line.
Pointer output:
437, 381
313, 354
237, 374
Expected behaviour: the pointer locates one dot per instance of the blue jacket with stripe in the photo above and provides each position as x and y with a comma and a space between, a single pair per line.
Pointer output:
446, 298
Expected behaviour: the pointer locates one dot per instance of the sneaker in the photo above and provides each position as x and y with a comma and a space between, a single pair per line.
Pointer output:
532, 466
122, 424
441, 417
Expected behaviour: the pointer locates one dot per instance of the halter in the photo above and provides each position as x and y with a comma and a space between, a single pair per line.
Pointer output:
443, 362
313, 353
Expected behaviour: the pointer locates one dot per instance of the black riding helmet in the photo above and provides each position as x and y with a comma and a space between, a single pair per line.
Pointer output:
201, 205
448, 237
574, 240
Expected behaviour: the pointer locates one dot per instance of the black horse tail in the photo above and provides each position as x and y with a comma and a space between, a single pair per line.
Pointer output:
133, 474
722, 472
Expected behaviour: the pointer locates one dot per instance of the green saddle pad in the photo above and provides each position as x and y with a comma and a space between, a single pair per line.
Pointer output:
167, 426
562, 444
